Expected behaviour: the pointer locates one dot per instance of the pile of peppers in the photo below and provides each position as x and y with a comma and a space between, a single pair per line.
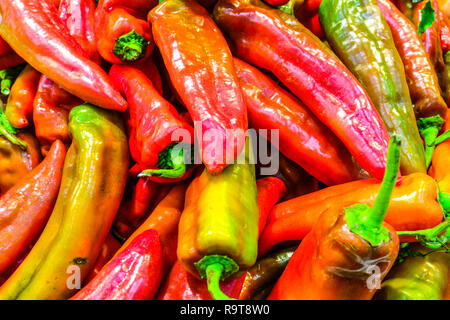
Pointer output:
224, 149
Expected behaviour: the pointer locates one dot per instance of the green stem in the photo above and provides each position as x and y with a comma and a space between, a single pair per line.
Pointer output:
130, 47
442, 138
430, 237
213, 276
444, 201
366, 221
288, 7
429, 129
171, 167
8, 131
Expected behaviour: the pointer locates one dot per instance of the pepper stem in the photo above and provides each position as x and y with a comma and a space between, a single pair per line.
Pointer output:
288, 7
130, 47
430, 237
171, 164
442, 138
213, 275
429, 129
366, 221
444, 201
215, 268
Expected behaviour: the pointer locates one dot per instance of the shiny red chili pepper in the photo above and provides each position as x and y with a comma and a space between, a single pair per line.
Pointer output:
134, 274
444, 31
200, 65
311, 71
35, 32
155, 127
270, 191
302, 137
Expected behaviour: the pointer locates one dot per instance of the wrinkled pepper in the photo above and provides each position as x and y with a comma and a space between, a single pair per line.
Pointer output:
360, 36
422, 276
156, 128
16, 162
150, 69
201, 70
93, 182
134, 274
429, 106
124, 35
311, 71
25, 208
301, 136
19, 108
261, 278
218, 231
164, 219
334, 260
34, 30
182, 285
413, 206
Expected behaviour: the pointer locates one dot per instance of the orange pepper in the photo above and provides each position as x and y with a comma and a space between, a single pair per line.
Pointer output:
19, 108
413, 206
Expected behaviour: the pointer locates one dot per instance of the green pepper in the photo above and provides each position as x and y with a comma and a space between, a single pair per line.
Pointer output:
218, 231
360, 36
423, 275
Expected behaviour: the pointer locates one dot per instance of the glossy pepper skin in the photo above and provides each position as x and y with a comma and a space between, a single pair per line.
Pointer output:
422, 277
15, 162
413, 206
124, 35
447, 77
311, 71
219, 223
93, 181
164, 219
25, 208
421, 77
360, 36
154, 123
46, 44
19, 108
182, 285
270, 191
134, 274
261, 278
334, 260
135, 205
201, 70
302, 137
431, 36
444, 31
52, 103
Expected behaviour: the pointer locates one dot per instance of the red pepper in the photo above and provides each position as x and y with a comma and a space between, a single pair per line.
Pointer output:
78, 16
201, 69
124, 35
135, 207
52, 103
302, 137
109, 248
155, 127
35, 32
51, 109
25, 208
134, 274
151, 71
270, 191
444, 31
274, 40
181, 285
10, 59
